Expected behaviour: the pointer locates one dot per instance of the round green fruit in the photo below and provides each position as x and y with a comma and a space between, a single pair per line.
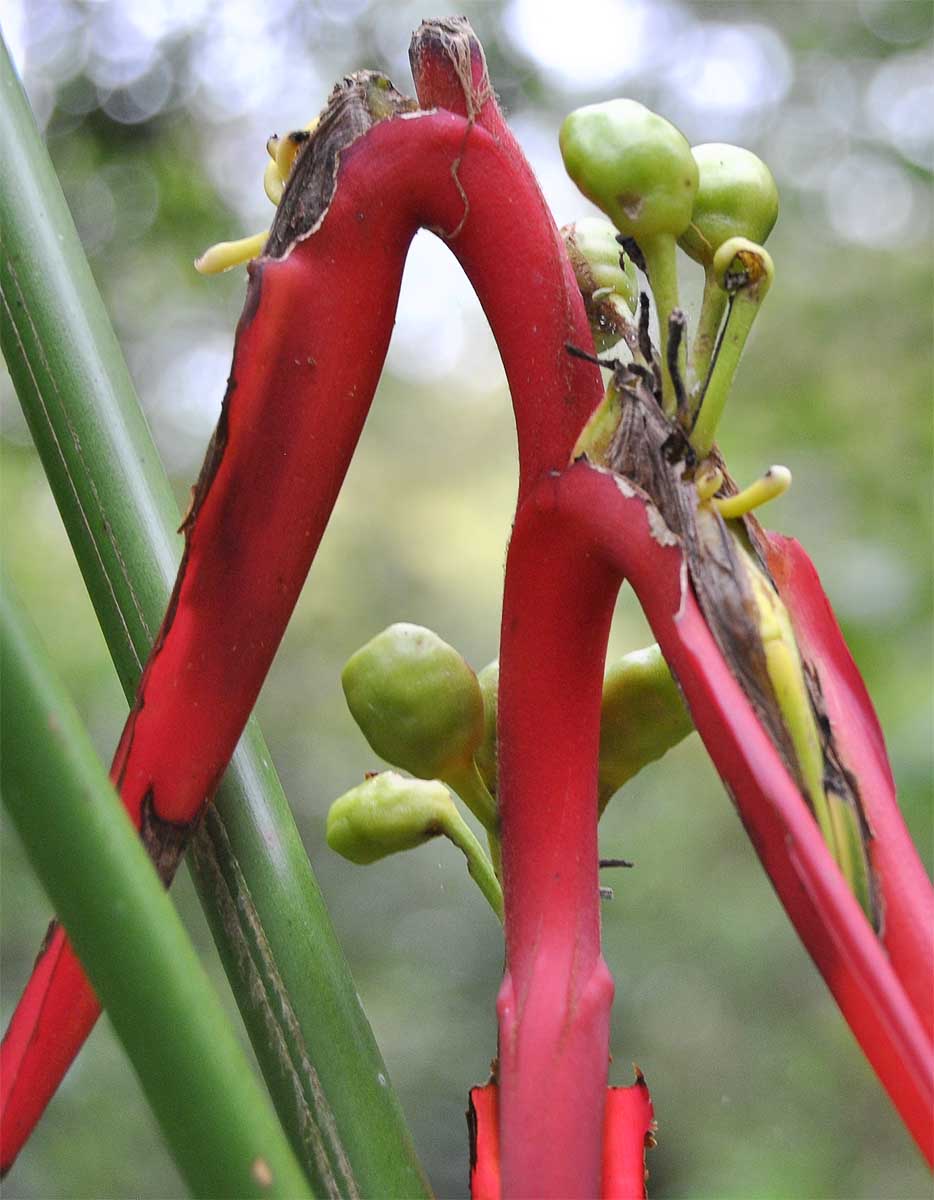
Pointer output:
634, 165
596, 257
736, 197
485, 755
387, 813
416, 700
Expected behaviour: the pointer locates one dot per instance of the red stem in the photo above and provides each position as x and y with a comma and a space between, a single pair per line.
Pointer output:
554, 1003
309, 350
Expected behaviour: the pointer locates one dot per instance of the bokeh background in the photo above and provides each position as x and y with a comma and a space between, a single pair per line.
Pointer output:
156, 114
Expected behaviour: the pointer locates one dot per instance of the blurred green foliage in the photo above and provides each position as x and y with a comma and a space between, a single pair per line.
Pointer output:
758, 1086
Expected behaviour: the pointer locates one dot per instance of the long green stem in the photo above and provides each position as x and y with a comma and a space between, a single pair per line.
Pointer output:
469, 785
479, 866
713, 306
262, 901
745, 272
661, 261
742, 312
220, 1125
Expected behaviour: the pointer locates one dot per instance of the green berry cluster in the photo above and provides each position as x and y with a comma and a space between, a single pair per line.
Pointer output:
661, 194
718, 203
422, 708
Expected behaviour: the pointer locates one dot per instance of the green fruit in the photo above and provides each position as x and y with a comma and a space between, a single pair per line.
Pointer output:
642, 716
639, 169
388, 813
416, 700
736, 197
595, 255
634, 165
485, 755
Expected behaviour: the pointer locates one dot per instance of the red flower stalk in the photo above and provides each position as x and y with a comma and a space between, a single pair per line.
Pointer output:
309, 350
555, 999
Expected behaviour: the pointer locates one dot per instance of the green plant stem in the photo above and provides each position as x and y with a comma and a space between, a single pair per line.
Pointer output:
220, 1125
469, 785
286, 967
742, 311
713, 306
478, 865
661, 261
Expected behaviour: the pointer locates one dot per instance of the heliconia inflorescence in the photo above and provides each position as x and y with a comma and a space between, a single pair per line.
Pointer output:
616, 483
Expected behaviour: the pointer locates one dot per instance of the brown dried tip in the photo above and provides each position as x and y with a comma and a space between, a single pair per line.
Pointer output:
449, 67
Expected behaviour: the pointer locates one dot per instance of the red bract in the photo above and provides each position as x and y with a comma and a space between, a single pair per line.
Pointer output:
576, 536
483, 1125
629, 1130
908, 917
310, 347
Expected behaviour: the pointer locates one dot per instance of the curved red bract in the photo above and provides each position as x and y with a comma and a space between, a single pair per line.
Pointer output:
908, 917
586, 518
309, 351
